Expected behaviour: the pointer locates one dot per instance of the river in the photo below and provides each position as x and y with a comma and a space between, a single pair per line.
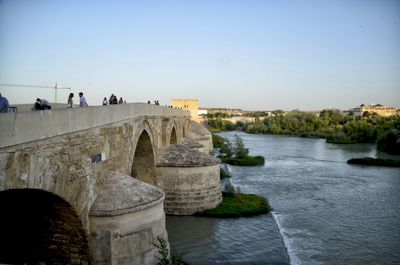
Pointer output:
324, 210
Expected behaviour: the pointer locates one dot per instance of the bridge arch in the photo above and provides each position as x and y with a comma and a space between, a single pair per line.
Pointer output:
171, 133
173, 139
143, 162
185, 128
40, 227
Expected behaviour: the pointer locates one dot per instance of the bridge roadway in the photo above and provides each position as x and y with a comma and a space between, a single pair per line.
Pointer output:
54, 164
25, 127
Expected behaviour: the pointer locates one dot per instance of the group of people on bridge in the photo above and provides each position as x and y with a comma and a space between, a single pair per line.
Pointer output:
113, 100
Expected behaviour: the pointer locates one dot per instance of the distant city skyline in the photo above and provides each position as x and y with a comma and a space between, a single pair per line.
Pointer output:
250, 55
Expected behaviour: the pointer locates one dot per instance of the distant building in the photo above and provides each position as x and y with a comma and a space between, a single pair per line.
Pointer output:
233, 112
191, 105
202, 112
377, 109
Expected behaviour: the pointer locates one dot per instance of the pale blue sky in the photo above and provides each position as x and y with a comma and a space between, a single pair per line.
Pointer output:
256, 55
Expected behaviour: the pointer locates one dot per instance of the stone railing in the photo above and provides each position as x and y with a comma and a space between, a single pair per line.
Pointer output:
17, 128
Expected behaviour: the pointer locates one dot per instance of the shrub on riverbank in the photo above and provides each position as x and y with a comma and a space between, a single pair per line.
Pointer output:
238, 205
330, 124
246, 161
375, 162
237, 154
390, 141
217, 140
339, 139
224, 174
214, 130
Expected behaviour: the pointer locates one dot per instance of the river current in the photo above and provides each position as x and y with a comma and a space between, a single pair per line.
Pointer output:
325, 211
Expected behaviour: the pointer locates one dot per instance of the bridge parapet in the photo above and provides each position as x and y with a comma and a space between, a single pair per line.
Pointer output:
18, 128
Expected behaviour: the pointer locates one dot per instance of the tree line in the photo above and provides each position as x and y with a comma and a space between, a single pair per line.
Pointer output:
330, 124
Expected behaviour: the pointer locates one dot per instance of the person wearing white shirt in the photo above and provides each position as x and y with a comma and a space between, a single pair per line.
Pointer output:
82, 101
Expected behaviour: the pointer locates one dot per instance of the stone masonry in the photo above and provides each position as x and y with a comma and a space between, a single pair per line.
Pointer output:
71, 154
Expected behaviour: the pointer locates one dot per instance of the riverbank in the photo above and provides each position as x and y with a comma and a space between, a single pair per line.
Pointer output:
245, 161
375, 162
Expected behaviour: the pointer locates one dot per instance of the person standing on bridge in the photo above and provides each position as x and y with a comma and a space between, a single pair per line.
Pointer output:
3, 104
82, 101
71, 100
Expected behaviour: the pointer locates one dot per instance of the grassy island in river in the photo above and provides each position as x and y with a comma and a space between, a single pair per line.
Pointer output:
238, 205
238, 154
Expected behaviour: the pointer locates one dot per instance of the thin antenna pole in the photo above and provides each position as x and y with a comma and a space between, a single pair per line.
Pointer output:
54, 87
55, 91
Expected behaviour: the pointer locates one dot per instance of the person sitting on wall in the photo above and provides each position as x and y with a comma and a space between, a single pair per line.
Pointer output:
42, 104
3, 104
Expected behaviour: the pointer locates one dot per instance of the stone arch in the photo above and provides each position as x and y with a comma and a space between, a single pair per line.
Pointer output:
40, 227
143, 165
185, 126
173, 139
164, 131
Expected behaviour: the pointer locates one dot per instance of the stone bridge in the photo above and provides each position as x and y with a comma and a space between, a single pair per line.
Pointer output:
87, 185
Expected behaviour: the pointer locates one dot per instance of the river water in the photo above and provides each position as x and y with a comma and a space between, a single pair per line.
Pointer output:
325, 211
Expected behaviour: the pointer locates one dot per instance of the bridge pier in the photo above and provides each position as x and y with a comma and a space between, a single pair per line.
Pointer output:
125, 221
189, 178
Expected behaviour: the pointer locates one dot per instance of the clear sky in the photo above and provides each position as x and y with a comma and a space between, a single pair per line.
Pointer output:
254, 55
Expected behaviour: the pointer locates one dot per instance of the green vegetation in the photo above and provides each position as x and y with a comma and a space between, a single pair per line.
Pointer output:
163, 251
223, 174
247, 161
214, 130
390, 142
330, 124
238, 154
217, 140
375, 162
238, 205
220, 124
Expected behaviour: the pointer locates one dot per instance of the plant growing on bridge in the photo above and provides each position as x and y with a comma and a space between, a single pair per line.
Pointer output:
163, 250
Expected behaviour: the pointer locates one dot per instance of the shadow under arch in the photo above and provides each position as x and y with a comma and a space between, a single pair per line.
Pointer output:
143, 166
38, 227
173, 139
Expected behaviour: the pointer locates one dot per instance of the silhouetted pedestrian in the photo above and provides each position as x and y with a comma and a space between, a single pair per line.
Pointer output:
113, 99
3, 104
105, 101
70, 101
42, 104
82, 101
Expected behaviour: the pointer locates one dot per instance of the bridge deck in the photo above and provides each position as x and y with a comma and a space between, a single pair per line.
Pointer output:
17, 128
